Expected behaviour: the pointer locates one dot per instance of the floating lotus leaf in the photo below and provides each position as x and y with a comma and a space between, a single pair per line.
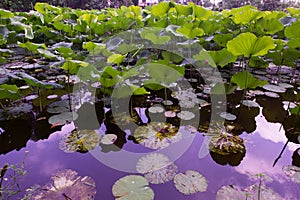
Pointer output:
170, 114
109, 139
152, 162
15, 111
274, 88
67, 185
132, 187
185, 95
163, 175
228, 116
186, 104
186, 115
80, 141
293, 172
58, 107
262, 193
272, 94
230, 192
190, 182
63, 118
157, 135
250, 103
285, 85
167, 102
124, 119
156, 109
226, 144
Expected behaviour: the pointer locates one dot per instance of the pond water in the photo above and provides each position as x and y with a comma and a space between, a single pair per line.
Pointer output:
262, 147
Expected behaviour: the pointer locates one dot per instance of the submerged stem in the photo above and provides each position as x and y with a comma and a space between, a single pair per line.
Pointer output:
279, 156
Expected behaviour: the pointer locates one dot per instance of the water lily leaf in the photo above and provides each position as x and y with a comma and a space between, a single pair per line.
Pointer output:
72, 66
46, 53
223, 88
226, 144
132, 187
9, 92
80, 141
293, 172
250, 103
4, 14
222, 39
36, 83
190, 182
109, 139
228, 116
247, 44
222, 57
200, 12
292, 31
67, 183
186, 115
58, 107
245, 14
274, 88
32, 46
204, 57
115, 59
160, 9
270, 24
63, 118
189, 31
156, 109
295, 111
230, 192
245, 80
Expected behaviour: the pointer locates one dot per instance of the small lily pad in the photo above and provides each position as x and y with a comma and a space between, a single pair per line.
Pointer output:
293, 172
186, 104
58, 107
109, 139
170, 114
132, 187
228, 116
167, 102
274, 88
51, 97
63, 118
186, 115
156, 109
272, 94
190, 182
31, 97
250, 103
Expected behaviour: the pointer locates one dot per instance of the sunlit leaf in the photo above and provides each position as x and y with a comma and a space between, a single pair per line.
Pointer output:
245, 80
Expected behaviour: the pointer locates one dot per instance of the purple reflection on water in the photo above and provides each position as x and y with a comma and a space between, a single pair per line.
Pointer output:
45, 158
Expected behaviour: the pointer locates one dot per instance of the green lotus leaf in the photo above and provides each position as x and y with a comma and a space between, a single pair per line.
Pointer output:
72, 66
172, 56
222, 57
223, 88
126, 90
245, 80
294, 43
58, 25
125, 48
89, 19
37, 83
294, 11
32, 46
115, 59
269, 25
44, 8
46, 53
65, 52
199, 12
204, 57
27, 28
9, 92
247, 44
295, 111
183, 10
257, 62
292, 31
222, 39
164, 75
157, 39
244, 15
210, 27
160, 9
189, 31
4, 14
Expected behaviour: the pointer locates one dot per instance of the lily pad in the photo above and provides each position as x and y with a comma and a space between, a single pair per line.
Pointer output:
230, 192
67, 184
186, 115
170, 114
228, 116
156, 109
272, 94
163, 175
186, 104
109, 139
63, 118
132, 187
293, 172
190, 182
80, 141
274, 88
226, 144
250, 103
58, 107
152, 162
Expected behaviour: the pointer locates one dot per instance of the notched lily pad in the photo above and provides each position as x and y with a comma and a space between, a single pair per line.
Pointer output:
132, 187
226, 144
63, 118
190, 182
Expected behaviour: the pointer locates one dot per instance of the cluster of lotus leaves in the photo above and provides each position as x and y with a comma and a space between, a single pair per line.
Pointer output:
226, 144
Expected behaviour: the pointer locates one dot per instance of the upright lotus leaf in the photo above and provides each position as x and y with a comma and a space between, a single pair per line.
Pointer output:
115, 59
204, 57
199, 12
27, 28
294, 43
223, 88
292, 31
110, 77
190, 182
245, 14
247, 44
32, 46
46, 53
257, 62
245, 80
65, 52
293, 172
93, 47
38, 15
126, 90
164, 75
295, 111
72, 66
44, 8
173, 57
222, 39
189, 31
132, 187
183, 9
295, 12
210, 27
222, 57
4, 14
270, 24
67, 184
9, 92
161, 9
89, 19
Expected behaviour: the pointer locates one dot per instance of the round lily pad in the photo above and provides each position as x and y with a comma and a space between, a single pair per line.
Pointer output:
109, 139
58, 107
255, 92
53, 96
63, 118
80, 141
274, 88
190, 182
272, 94
167, 102
250, 103
186, 115
226, 144
285, 85
228, 116
163, 175
186, 104
156, 109
170, 114
24, 87
132, 187
152, 162
31, 97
